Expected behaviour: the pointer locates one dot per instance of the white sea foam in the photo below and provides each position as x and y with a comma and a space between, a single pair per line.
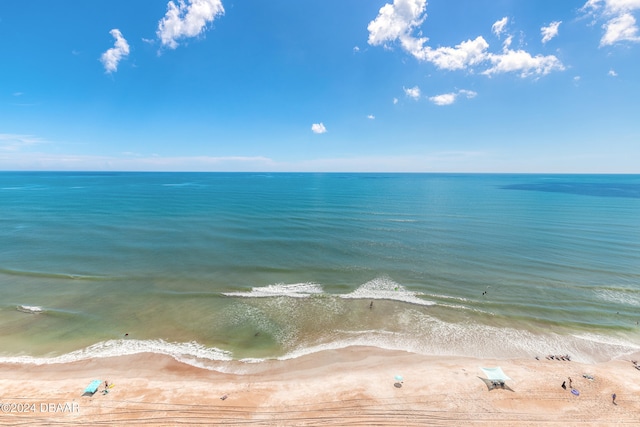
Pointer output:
183, 184
25, 187
445, 339
619, 297
598, 340
440, 338
385, 288
190, 352
449, 297
31, 309
376, 289
462, 300
296, 290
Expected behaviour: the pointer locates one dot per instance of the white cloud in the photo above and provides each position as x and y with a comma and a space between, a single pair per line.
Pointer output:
187, 19
612, 73
412, 92
450, 98
318, 128
371, 117
620, 24
499, 26
469, 53
395, 101
620, 28
523, 62
396, 21
612, 6
444, 99
112, 57
507, 43
468, 93
550, 32
356, 49
399, 22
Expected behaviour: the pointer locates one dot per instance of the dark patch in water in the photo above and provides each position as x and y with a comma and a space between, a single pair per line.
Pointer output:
582, 189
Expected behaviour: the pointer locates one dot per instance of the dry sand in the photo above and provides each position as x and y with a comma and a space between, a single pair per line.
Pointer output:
353, 386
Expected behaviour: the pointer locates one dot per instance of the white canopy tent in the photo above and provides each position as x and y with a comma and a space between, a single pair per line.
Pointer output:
495, 374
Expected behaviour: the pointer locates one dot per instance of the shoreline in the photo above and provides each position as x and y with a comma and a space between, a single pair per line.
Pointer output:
349, 386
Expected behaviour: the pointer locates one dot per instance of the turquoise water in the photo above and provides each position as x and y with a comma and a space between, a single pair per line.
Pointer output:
217, 266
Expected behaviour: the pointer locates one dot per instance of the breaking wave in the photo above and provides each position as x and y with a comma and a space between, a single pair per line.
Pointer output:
191, 353
376, 289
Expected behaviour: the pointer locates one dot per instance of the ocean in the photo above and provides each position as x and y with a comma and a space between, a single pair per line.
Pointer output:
215, 267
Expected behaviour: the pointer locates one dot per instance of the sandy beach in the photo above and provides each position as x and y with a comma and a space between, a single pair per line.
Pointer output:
353, 386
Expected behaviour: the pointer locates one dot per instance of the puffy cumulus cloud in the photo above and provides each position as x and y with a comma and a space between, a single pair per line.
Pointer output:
550, 31
499, 26
620, 24
612, 6
466, 54
612, 73
412, 92
522, 62
450, 98
371, 117
444, 99
112, 57
187, 19
620, 28
398, 23
318, 128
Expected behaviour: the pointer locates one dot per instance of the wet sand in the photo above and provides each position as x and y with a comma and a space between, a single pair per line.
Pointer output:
353, 386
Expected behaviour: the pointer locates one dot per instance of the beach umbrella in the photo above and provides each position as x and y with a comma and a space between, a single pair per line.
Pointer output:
398, 382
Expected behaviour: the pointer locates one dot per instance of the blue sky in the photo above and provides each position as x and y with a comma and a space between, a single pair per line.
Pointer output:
334, 85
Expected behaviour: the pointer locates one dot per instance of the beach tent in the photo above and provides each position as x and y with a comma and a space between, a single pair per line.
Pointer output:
495, 374
92, 388
495, 378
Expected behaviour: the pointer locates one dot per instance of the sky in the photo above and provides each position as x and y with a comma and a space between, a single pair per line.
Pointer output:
506, 86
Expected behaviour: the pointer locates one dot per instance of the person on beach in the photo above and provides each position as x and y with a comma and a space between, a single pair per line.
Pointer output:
570, 382
613, 398
564, 385
371, 305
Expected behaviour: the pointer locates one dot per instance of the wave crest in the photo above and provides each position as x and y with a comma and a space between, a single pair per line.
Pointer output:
385, 288
296, 290
188, 352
